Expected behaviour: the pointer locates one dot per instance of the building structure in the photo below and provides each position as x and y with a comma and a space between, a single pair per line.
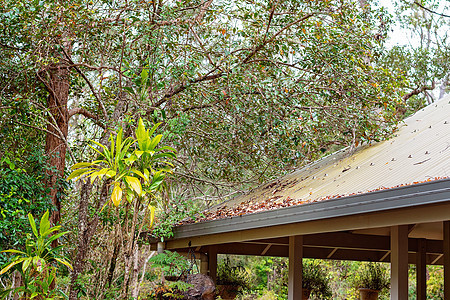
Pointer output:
386, 202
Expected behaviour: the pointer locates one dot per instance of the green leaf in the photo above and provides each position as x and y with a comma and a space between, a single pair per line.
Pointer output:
165, 148
33, 224
152, 131
147, 174
118, 144
78, 173
25, 264
110, 174
81, 165
155, 141
54, 237
140, 131
14, 251
152, 214
138, 153
129, 90
44, 225
137, 172
50, 230
144, 77
165, 154
100, 145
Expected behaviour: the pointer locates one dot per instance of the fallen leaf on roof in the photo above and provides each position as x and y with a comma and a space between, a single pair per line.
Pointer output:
275, 202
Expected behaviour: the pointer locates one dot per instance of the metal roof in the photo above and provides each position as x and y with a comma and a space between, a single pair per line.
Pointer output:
418, 151
411, 160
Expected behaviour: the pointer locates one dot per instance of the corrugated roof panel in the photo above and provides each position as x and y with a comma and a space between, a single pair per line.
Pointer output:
418, 151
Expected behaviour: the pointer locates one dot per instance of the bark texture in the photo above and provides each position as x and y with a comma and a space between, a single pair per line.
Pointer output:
86, 230
57, 128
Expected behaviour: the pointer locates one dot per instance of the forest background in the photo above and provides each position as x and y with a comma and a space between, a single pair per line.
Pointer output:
243, 92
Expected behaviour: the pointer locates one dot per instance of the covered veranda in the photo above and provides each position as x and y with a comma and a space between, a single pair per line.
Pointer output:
386, 202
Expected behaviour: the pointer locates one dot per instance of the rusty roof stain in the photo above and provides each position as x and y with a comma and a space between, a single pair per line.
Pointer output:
418, 152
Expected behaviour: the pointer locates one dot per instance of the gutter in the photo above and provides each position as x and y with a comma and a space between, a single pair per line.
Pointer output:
427, 193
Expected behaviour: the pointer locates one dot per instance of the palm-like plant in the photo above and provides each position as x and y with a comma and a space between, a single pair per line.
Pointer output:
138, 171
137, 168
36, 263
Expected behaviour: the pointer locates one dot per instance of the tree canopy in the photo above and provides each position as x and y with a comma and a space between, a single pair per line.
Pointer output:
244, 91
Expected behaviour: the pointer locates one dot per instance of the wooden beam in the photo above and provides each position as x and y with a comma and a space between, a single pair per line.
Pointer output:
422, 214
295, 268
434, 261
421, 270
332, 252
385, 256
346, 240
266, 249
446, 225
399, 262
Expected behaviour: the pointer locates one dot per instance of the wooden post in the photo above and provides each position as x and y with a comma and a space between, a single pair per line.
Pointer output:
212, 262
421, 270
295, 268
446, 259
160, 247
399, 262
204, 264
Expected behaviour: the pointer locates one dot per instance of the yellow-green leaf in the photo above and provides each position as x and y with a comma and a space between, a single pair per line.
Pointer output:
81, 165
64, 262
110, 174
152, 214
79, 172
5, 269
116, 195
25, 264
134, 183
137, 172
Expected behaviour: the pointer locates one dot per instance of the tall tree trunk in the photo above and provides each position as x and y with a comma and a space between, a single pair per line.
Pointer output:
86, 230
135, 274
116, 251
83, 239
55, 142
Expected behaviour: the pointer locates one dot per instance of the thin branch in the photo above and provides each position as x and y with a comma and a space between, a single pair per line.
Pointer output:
182, 87
37, 128
202, 12
91, 87
188, 8
255, 50
202, 46
194, 107
272, 11
11, 47
431, 11
307, 108
419, 90
87, 114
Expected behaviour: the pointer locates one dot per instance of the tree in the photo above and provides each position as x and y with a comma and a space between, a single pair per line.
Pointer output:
245, 90
422, 64
215, 73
